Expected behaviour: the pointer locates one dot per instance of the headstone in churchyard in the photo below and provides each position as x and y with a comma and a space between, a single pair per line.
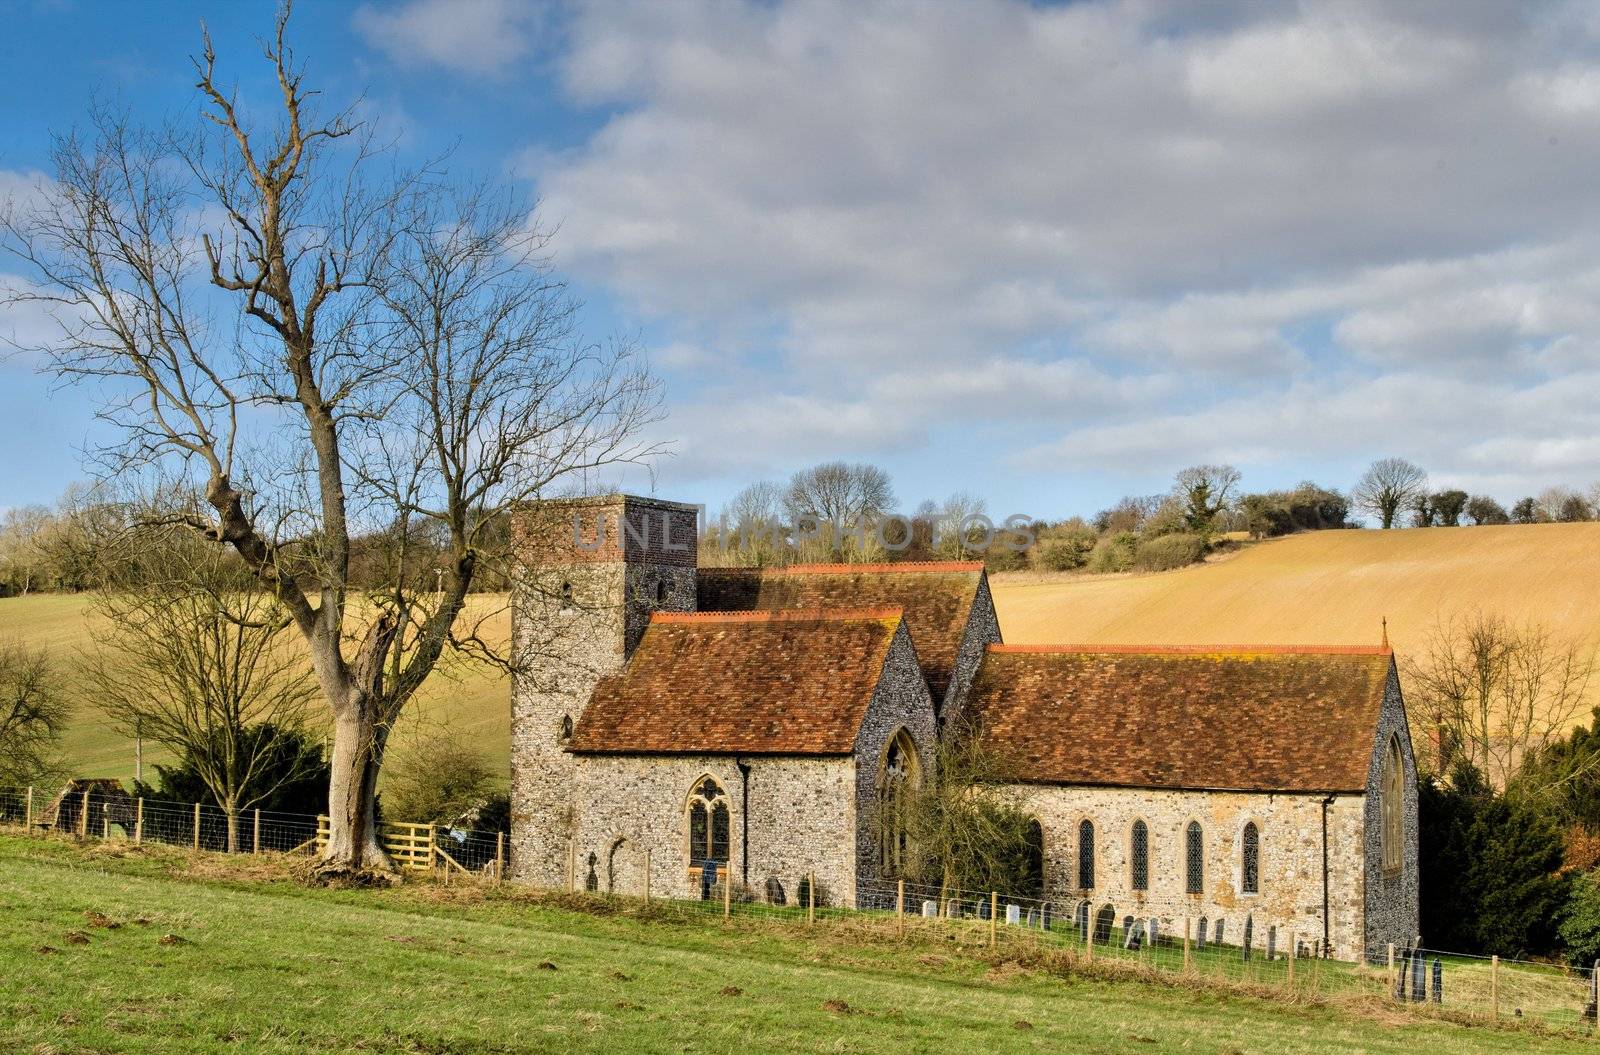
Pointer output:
1216, 937
1419, 981
708, 879
1438, 981
1105, 921
1134, 939
1044, 916
1030, 920
1153, 931
983, 908
930, 909
775, 894
1013, 915
1272, 943
1200, 936
1249, 933
1127, 928
1081, 920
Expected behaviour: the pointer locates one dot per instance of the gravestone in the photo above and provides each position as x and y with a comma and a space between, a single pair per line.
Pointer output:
775, 893
1403, 968
1419, 980
952, 908
1272, 943
1438, 981
1153, 931
1216, 937
1014, 915
930, 909
1133, 940
1044, 916
983, 908
1105, 921
1081, 920
1249, 933
1127, 928
1200, 936
708, 879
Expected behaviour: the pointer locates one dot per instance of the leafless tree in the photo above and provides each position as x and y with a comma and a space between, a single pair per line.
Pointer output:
322, 349
1205, 491
840, 499
33, 714
1388, 486
753, 526
957, 534
1493, 690
196, 658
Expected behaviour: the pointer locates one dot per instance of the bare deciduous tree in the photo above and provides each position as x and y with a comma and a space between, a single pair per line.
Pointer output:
1387, 487
1494, 691
196, 658
32, 716
321, 349
839, 498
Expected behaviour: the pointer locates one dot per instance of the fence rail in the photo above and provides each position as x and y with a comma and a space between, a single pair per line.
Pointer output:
1160, 938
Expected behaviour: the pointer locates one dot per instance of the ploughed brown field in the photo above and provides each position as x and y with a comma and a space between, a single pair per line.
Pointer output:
1331, 588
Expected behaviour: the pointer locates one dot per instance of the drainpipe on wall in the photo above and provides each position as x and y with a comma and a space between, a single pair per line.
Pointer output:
744, 819
1326, 928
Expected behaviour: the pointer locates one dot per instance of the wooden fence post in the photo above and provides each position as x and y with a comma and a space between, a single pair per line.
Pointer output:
1494, 987
197, 826
572, 866
647, 875
499, 858
1088, 937
138, 820
727, 892
1188, 928
1294, 946
900, 909
83, 816
29, 816
994, 922
256, 847
105, 825
433, 855
811, 898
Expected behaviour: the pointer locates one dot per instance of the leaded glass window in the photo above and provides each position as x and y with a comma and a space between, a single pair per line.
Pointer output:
1250, 860
1140, 856
708, 824
1194, 878
1391, 807
1086, 855
897, 777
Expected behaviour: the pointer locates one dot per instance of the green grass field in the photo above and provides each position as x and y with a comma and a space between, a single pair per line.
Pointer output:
108, 948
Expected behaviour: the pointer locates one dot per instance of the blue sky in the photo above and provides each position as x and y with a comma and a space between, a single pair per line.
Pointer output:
1046, 254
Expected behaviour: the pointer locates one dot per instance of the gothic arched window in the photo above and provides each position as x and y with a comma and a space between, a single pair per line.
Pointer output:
1250, 860
566, 595
898, 774
1085, 855
1194, 877
566, 728
1391, 807
1139, 856
708, 823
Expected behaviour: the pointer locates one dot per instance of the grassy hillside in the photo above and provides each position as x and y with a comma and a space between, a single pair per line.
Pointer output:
111, 949
1330, 587
473, 699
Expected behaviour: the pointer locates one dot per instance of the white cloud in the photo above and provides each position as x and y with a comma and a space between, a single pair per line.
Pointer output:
1266, 234
469, 36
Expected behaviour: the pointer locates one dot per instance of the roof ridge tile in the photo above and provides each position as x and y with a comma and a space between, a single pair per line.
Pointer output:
1196, 650
781, 615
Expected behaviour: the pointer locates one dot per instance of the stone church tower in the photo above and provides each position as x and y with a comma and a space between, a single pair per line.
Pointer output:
590, 572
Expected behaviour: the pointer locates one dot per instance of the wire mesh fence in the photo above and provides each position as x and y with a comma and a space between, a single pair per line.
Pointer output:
1165, 938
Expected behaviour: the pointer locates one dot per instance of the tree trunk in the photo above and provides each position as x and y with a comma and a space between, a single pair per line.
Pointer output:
352, 791
231, 811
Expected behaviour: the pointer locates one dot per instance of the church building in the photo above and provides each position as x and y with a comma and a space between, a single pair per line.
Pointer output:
750, 722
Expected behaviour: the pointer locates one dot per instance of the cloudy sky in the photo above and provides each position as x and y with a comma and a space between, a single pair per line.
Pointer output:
1046, 253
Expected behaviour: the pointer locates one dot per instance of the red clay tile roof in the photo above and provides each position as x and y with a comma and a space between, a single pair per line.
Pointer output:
936, 596
786, 682
1253, 718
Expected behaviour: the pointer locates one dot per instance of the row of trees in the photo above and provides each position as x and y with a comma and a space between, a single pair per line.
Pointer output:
1395, 491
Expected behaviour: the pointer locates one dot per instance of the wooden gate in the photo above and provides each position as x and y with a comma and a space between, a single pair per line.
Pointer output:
410, 846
